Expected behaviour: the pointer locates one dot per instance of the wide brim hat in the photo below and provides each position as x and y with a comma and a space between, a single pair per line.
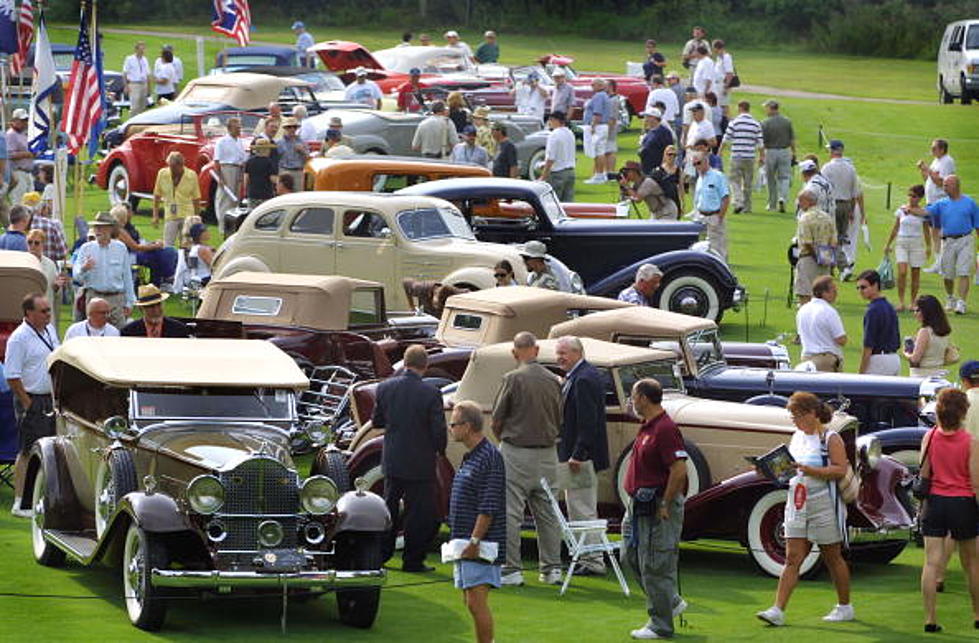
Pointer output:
481, 112
290, 121
150, 295
533, 250
103, 218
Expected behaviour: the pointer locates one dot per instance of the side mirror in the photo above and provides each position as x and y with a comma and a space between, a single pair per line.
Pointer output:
115, 427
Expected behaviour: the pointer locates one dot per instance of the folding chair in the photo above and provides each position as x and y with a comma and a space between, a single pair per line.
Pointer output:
576, 533
8, 435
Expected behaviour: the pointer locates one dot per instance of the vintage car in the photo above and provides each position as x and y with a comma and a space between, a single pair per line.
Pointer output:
723, 501
602, 251
174, 454
326, 86
888, 407
20, 274
232, 59
383, 238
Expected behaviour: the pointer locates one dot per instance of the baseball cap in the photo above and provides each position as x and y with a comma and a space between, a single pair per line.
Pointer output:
655, 113
835, 144
970, 369
807, 165
697, 107
770, 103
489, 34
168, 47
414, 71
298, 25
469, 129
360, 72
20, 114
451, 33
534, 250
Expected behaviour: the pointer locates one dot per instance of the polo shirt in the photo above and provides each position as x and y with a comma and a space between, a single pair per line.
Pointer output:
230, 151
560, 148
633, 296
818, 325
182, 195
562, 98
711, 190
777, 132
304, 41
657, 446
136, 69
702, 75
13, 240
506, 158
479, 487
815, 228
27, 357
597, 106
953, 218
83, 329
487, 53
880, 327
843, 177
529, 406
292, 153
743, 134
112, 272
434, 136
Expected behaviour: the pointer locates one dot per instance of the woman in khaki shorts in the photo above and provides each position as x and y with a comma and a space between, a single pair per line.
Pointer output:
911, 250
812, 512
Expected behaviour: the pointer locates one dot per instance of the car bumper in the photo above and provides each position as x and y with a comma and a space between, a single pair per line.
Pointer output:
739, 297
972, 83
217, 579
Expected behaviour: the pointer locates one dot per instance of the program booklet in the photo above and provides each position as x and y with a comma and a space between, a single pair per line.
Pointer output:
778, 464
452, 550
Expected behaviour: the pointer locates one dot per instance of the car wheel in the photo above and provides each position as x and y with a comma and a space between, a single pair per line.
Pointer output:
359, 551
766, 536
943, 96
698, 472
115, 478
535, 164
690, 294
373, 477
142, 553
966, 95
119, 186
44, 552
332, 464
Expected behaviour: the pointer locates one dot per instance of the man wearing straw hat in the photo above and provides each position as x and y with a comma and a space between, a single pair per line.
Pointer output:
153, 324
104, 268
293, 153
261, 172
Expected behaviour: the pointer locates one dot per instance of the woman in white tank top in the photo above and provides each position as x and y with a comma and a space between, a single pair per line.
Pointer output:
927, 356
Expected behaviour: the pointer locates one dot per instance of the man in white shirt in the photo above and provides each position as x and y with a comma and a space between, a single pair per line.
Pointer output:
96, 322
658, 93
690, 101
933, 175
529, 96
703, 74
304, 40
723, 73
436, 135
452, 41
559, 158
136, 78
363, 90
701, 129
229, 159
307, 129
820, 327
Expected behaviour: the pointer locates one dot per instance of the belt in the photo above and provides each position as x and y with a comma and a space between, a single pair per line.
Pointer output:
956, 236
529, 446
881, 351
40, 395
136, 82
107, 293
563, 169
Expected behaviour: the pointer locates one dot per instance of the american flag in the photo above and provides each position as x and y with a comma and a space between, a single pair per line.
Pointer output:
83, 98
233, 18
25, 33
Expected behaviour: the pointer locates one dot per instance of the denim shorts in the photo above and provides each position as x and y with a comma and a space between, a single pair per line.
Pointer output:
472, 573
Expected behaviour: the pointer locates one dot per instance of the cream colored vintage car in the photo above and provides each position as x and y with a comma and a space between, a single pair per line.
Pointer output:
382, 238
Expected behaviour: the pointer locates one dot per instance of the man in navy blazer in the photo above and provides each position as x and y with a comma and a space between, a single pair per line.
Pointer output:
410, 412
584, 443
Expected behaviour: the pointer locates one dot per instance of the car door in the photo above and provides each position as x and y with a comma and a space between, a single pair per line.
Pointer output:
310, 242
954, 60
366, 247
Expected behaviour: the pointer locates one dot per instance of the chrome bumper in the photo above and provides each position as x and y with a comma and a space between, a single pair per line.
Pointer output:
739, 297
215, 579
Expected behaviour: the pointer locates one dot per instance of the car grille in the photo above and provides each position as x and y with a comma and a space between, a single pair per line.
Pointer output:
243, 533
260, 486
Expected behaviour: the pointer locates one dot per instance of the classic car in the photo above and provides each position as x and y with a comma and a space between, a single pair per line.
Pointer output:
383, 238
19, 86
174, 452
602, 251
722, 500
20, 274
888, 407
232, 59
327, 86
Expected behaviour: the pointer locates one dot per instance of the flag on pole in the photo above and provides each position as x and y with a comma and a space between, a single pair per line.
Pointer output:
8, 27
25, 34
45, 84
99, 124
83, 98
232, 18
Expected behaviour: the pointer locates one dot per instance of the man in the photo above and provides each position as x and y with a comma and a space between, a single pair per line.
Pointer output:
477, 513
410, 97
583, 443
55, 246
647, 283
96, 322
723, 73
436, 135
467, 151
778, 137
529, 96
700, 129
270, 125
711, 200
452, 40
406, 39
304, 40
410, 412
333, 145
596, 130
655, 140
820, 327
881, 337
526, 420
6, 182
847, 194
743, 136
674, 85
636, 187
293, 153
104, 268
505, 164
489, 51
933, 176
655, 481
559, 158
703, 74
691, 102
969, 374
178, 191
15, 237
261, 172
424, 40
153, 323
484, 132
658, 93
539, 274
655, 62
816, 236
19, 156
427, 296
819, 186
26, 370
307, 127
229, 159
562, 96
364, 91
136, 78
692, 46
337, 123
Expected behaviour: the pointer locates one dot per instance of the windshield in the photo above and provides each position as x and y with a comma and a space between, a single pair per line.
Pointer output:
552, 206
972, 38
706, 348
211, 403
661, 370
438, 62
433, 223
251, 60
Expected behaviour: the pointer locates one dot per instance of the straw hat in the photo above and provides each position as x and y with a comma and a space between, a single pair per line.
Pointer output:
150, 295
103, 218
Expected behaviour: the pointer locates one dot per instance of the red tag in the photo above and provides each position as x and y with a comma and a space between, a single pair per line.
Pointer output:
800, 496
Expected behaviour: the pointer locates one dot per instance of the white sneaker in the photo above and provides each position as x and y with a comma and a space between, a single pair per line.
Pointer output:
773, 616
552, 577
949, 303
512, 579
960, 307
840, 613
644, 633
15, 510
680, 608
595, 179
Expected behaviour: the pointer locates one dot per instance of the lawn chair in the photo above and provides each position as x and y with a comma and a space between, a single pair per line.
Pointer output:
576, 533
8, 434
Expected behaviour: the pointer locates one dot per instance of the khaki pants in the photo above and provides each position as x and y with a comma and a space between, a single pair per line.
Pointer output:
582, 504
717, 234
778, 173
117, 316
742, 178
171, 232
563, 183
137, 98
23, 183
231, 175
524, 469
825, 362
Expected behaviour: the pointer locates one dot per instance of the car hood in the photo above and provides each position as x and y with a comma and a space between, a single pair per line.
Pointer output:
465, 252
341, 55
788, 382
686, 410
219, 446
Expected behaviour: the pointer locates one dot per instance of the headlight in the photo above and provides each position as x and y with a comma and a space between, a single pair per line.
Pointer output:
270, 533
205, 494
869, 450
318, 495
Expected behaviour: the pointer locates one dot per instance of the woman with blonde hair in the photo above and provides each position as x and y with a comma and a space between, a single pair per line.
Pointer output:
912, 249
669, 175
458, 113
927, 357
161, 260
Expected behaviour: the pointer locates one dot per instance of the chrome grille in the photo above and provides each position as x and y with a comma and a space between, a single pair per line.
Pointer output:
260, 486
243, 533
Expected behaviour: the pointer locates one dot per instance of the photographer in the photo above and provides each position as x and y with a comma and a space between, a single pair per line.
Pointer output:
634, 186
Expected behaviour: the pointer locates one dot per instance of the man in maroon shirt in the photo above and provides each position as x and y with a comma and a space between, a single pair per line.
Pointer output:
655, 480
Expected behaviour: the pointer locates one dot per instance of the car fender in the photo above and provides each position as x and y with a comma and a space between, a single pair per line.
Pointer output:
155, 512
529, 146
364, 451
63, 511
364, 142
721, 511
362, 511
903, 443
477, 276
670, 262
242, 264
127, 158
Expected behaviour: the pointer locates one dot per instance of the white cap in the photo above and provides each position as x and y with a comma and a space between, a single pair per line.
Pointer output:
360, 72
653, 112
20, 114
808, 165
451, 33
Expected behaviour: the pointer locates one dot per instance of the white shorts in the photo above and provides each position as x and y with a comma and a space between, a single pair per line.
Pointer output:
612, 144
958, 256
910, 250
884, 364
595, 138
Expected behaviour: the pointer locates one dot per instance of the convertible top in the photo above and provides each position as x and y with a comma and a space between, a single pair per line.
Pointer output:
639, 321
20, 274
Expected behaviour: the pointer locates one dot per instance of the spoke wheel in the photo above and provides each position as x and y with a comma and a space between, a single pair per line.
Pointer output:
115, 478
142, 553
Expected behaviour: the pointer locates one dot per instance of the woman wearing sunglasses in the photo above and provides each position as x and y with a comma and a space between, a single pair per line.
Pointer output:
503, 274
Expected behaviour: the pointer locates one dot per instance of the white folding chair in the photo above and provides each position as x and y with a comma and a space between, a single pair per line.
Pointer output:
576, 534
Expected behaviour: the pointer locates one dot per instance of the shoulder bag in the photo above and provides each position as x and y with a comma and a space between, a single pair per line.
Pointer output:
735, 80
849, 485
952, 354
921, 485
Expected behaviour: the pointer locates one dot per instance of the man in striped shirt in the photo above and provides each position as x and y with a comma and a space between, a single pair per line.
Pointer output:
743, 136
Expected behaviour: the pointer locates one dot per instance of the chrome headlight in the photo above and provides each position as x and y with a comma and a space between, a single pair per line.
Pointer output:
318, 495
869, 450
270, 533
205, 494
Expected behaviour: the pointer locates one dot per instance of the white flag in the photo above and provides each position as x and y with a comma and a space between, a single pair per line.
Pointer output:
45, 83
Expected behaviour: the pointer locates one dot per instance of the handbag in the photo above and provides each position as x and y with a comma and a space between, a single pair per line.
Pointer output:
952, 354
735, 80
921, 484
849, 485
825, 254
886, 271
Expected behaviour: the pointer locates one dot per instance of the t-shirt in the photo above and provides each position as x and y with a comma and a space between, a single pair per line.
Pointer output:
657, 446
479, 488
743, 134
700, 131
487, 53
260, 170
808, 449
688, 110
654, 65
668, 98
703, 75
13, 240
909, 225
366, 93
165, 76
944, 166
843, 176
880, 327
957, 217
530, 100
506, 158
723, 66
560, 148
818, 325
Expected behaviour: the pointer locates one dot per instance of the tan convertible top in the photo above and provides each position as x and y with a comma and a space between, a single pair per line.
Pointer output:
20, 275
637, 321
244, 90
141, 361
311, 301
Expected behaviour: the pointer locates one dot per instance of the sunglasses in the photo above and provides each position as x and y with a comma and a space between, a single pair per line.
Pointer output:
501, 275
454, 424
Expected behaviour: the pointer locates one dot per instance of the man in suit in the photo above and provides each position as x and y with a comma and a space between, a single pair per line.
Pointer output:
410, 412
583, 447
153, 324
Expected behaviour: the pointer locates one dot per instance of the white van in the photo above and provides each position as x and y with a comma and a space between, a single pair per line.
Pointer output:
958, 62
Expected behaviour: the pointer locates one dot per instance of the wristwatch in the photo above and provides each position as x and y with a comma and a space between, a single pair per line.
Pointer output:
474, 541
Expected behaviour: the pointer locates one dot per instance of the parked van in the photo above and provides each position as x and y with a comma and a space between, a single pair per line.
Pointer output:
958, 62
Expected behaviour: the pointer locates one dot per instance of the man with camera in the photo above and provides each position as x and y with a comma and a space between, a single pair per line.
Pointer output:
633, 185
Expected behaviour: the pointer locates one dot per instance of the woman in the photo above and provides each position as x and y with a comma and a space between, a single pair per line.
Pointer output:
928, 355
458, 113
812, 510
165, 75
951, 462
669, 175
35, 245
912, 248
194, 261
503, 273
615, 109
161, 261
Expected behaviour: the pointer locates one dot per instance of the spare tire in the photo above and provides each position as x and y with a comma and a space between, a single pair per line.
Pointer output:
331, 463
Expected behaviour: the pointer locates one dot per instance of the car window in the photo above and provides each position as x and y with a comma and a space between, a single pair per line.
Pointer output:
972, 39
660, 370
322, 82
552, 206
250, 60
255, 305
466, 321
393, 182
313, 221
956, 39
364, 224
365, 307
706, 348
433, 223
270, 220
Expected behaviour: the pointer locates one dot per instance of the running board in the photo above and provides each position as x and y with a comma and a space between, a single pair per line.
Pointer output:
80, 545
142, 195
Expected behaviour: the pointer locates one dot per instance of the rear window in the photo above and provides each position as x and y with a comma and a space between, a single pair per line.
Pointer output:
393, 182
252, 305
270, 220
465, 321
313, 221
365, 307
